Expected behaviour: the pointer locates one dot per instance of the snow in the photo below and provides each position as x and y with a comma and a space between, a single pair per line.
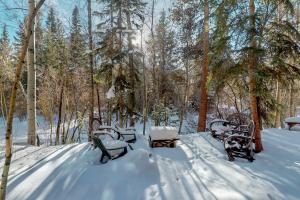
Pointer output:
111, 93
163, 133
113, 144
196, 169
293, 119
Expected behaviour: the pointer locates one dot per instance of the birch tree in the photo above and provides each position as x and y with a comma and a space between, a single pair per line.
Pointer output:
18, 72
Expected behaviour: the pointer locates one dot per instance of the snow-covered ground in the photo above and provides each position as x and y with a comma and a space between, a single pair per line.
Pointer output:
196, 169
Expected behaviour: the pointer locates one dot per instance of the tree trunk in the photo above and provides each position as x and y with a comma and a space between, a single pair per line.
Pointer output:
155, 79
203, 90
12, 103
252, 82
3, 105
59, 112
131, 69
185, 96
110, 84
91, 60
51, 131
291, 101
278, 99
144, 87
121, 100
31, 84
68, 126
64, 129
99, 104
166, 117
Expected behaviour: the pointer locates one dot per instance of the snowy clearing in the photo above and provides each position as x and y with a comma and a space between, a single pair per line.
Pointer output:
196, 169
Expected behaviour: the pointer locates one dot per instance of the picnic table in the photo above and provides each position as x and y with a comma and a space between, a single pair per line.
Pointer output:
163, 136
292, 121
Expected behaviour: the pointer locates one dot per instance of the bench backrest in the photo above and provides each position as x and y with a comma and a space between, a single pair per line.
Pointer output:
250, 133
97, 141
251, 129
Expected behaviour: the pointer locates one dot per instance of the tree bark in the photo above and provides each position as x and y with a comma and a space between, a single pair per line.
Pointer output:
203, 90
252, 82
291, 101
185, 97
59, 112
110, 84
144, 87
31, 84
155, 79
91, 60
9, 123
121, 100
278, 99
131, 69
3, 105
99, 105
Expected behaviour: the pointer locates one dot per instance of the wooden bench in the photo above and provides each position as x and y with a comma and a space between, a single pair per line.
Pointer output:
163, 136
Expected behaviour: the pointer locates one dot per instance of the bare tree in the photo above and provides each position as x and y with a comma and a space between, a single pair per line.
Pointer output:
31, 84
18, 72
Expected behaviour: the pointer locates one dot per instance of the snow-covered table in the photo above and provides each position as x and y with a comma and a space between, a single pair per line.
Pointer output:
292, 121
163, 136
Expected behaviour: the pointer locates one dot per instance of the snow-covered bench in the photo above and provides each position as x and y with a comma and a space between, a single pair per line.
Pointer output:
292, 121
111, 149
127, 135
163, 136
240, 144
221, 129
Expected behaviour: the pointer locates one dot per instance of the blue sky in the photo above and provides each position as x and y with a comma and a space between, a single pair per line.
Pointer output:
13, 11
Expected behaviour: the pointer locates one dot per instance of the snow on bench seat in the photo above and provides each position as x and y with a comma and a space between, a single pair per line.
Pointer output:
163, 133
114, 144
292, 120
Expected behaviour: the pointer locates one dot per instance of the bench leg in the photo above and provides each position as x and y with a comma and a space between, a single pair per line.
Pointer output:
229, 154
150, 143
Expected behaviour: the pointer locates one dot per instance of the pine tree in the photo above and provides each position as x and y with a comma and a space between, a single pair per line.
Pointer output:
4, 40
77, 45
118, 20
164, 43
203, 101
56, 62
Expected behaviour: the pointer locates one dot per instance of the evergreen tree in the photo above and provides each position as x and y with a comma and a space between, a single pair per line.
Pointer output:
56, 64
166, 59
4, 40
77, 45
118, 20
